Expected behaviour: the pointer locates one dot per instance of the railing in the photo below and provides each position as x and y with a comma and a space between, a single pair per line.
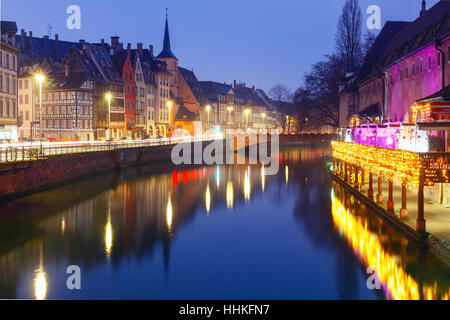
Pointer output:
40, 150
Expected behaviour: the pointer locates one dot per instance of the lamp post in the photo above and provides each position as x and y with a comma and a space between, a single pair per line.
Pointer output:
264, 120
108, 97
170, 104
247, 112
208, 109
40, 78
230, 109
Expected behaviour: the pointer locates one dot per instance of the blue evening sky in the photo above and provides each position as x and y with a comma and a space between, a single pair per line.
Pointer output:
258, 42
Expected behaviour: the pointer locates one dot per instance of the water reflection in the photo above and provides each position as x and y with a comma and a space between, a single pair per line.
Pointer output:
208, 199
375, 248
230, 195
134, 218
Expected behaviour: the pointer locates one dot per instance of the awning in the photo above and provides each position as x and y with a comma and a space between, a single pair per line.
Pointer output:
437, 126
440, 96
371, 111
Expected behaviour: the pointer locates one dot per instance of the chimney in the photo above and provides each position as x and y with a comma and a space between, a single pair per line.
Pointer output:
424, 7
128, 48
46, 37
23, 35
234, 84
103, 41
139, 48
31, 41
57, 44
151, 49
66, 70
82, 42
253, 89
115, 43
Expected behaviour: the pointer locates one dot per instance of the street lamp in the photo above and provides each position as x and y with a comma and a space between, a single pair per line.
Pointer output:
40, 78
170, 104
230, 109
208, 109
108, 97
264, 119
247, 112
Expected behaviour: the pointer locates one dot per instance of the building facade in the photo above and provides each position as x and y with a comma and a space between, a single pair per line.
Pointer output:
8, 82
407, 62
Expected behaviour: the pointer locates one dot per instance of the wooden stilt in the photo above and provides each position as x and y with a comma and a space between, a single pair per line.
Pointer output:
390, 203
404, 210
380, 188
421, 223
363, 181
356, 183
346, 172
370, 192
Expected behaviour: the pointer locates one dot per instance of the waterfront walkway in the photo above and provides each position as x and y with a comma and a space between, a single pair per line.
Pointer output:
39, 150
437, 215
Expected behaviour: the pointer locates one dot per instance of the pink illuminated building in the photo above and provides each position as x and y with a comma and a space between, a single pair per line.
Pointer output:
405, 64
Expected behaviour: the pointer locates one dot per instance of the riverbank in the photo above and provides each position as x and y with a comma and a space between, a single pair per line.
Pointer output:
22, 178
438, 243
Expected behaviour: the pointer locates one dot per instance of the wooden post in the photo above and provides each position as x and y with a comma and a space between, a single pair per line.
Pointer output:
346, 172
370, 192
404, 210
421, 223
390, 203
350, 174
380, 188
363, 182
356, 183
334, 165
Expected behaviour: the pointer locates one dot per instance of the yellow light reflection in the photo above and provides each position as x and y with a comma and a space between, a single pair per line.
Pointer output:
263, 178
230, 195
208, 199
40, 284
63, 226
108, 238
367, 245
247, 185
169, 214
287, 174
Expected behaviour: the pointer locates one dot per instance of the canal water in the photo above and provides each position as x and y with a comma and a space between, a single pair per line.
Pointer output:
216, 232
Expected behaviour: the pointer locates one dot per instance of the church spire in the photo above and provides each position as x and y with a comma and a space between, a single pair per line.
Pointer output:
166, 52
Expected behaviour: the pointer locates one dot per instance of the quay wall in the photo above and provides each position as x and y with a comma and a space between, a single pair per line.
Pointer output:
21, 178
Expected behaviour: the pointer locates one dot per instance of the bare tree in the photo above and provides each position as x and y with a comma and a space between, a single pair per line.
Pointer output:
349, 34
369, 39
320, 93
281, 95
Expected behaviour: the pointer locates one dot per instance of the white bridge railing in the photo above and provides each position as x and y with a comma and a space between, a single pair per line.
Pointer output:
40, 150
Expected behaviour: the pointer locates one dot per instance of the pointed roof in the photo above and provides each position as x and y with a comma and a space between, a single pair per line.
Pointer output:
166, 52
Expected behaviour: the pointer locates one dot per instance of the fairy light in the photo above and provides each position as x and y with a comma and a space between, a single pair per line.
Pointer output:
403, 164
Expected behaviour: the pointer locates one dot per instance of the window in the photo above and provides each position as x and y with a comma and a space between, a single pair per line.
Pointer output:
20, 84
26, 99
438, 59
26, 83
429, 63
27, 115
